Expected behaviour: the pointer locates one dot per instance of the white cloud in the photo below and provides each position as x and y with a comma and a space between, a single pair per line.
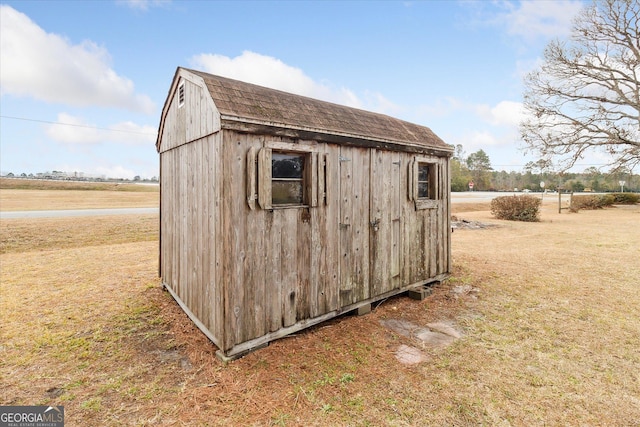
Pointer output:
271, 72
48, 67
548, 19
482, 139
75, 131
525, 66
505, 113
529, 21
114, 172
99, 171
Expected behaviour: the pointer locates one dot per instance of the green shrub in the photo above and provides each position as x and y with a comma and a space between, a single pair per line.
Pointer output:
591, 201
516, 208
626, 198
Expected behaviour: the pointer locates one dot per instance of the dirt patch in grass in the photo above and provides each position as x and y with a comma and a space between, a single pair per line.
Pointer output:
549, 314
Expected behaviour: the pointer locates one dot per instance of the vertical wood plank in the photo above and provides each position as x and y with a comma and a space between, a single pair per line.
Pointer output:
380, 222
447, 240
361, 222
408, 213
303, 264
347, 278
396, 217
230, 258
264, 178
312, 179
414, 179
321, 179
410, 179
331, 269
217, 224
251, 167
205, 249
196, 228
316, 253
244, 293
273, 270
183, 223
432, 243
289, 265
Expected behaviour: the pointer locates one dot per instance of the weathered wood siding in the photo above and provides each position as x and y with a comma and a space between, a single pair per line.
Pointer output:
190, 227
283, 266
279, 264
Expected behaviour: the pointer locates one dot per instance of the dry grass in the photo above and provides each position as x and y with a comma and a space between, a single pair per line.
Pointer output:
43, 184
24, 235
470, 207
27, 200
551, 339
25, 195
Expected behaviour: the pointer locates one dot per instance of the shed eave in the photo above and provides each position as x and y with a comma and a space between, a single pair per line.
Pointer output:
282, 129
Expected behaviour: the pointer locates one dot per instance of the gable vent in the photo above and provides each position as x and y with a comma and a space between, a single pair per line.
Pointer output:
181, 95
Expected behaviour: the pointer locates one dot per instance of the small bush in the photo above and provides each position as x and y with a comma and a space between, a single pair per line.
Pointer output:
591, 201
626, 198
516, 208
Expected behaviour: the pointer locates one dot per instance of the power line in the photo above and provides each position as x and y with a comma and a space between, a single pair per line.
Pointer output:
75, 125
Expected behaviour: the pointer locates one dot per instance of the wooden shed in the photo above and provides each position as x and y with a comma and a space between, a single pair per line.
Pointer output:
279, 211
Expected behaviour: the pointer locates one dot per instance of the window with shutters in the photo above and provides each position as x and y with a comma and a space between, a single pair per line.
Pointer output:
424, 183
282, 178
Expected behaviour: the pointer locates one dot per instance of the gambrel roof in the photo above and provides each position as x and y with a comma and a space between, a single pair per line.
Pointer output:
265, 110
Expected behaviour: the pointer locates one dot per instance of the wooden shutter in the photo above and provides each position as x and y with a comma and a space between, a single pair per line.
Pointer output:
322, 183
437, 187
252, 191
312, 180
412, 184
264, 178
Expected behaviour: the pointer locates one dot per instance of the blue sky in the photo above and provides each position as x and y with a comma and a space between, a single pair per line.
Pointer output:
83, 83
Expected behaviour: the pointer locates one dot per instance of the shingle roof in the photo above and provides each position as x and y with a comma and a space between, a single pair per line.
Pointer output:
277, 108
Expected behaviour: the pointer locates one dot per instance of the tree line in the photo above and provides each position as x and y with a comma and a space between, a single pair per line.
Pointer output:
476, 168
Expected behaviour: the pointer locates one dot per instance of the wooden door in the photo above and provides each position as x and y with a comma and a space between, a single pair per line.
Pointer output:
386, 198
354, 224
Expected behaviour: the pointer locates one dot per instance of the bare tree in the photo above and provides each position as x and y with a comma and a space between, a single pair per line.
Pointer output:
585, 95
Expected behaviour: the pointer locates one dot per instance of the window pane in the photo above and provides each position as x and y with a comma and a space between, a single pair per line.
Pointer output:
423, 189
286, 192
286, 166
423, 172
